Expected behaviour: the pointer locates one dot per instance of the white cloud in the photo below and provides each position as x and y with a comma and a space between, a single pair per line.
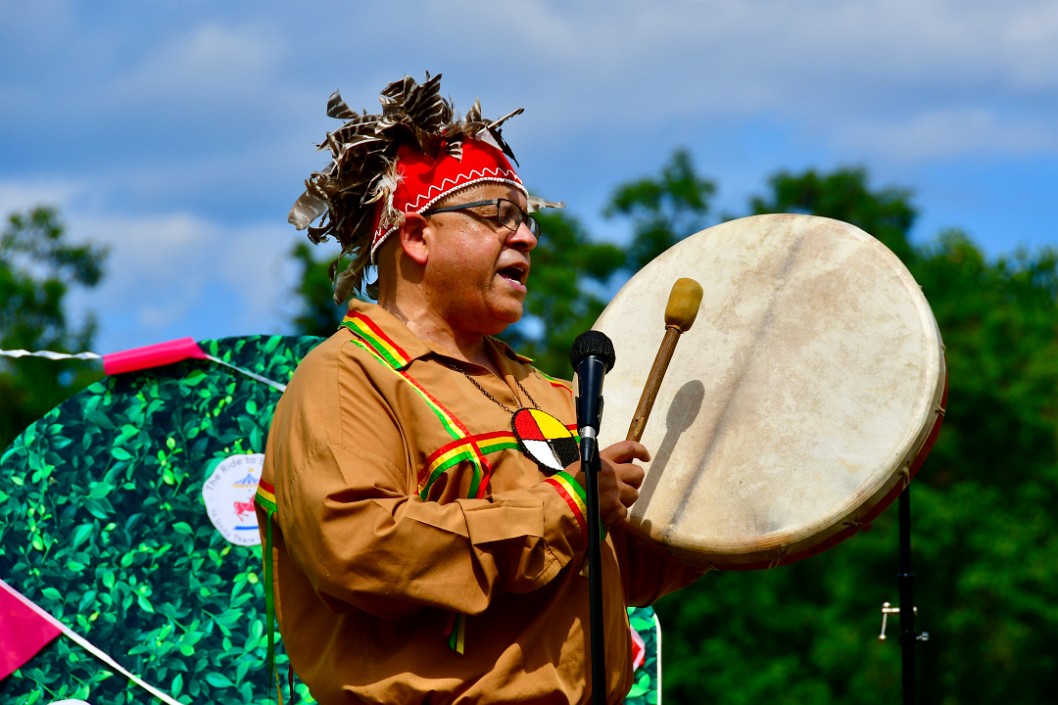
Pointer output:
640, 63
208, 61
22, 195
944, 134
179, 272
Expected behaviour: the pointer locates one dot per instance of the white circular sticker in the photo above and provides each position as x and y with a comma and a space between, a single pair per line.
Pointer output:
228, 494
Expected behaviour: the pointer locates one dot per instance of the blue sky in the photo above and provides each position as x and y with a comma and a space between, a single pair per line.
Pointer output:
179, 132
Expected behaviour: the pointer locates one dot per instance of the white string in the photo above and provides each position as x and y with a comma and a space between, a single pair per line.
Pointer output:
88, 646
251, 375
93, 356
51, 355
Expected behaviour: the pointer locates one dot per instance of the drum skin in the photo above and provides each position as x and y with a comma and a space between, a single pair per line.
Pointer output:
797, 407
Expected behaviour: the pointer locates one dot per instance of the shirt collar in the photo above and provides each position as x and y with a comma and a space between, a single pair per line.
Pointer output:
390, 333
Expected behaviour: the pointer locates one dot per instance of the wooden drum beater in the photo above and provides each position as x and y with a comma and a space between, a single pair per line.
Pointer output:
680, 312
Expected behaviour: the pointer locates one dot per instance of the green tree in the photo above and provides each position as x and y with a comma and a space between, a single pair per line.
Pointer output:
38, 268
664, 209
844, 194
574, 274
984, 507
570, 273
317, 313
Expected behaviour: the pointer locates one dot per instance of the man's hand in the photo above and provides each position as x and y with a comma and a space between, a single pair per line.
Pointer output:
619, 479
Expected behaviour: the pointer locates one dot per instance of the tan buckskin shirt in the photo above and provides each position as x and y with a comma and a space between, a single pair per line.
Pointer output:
406, 514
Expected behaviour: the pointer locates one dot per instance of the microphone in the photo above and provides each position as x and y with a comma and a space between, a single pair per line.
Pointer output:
592, 356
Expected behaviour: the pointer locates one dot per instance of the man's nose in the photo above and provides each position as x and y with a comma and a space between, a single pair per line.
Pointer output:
523, 238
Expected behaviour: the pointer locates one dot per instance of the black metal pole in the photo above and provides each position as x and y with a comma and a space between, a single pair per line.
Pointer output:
590, 465
906, 579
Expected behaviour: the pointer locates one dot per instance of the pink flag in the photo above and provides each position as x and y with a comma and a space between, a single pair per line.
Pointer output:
152, 356
639, 649
25, 629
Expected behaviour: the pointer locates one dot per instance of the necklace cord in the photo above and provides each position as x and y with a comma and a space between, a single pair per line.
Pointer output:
487, 394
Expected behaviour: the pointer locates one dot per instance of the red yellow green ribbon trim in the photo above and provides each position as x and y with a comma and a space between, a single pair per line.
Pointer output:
266, 499
368, 331
555, 382
571, 491
371, 339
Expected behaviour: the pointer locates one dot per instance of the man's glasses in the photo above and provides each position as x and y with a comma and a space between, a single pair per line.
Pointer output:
508, 213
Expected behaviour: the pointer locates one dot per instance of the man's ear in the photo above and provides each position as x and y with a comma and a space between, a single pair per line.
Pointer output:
415, 234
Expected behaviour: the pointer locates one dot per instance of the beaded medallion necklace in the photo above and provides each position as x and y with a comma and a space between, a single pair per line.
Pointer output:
541, 437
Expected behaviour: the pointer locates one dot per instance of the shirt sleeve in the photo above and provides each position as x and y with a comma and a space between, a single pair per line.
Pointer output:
648, 572
352, 526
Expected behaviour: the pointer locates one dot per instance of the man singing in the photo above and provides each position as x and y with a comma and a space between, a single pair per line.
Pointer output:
422, 501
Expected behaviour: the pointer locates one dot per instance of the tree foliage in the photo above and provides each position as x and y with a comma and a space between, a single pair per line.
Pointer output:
317, 313
574, 274
844, 194
38, 269
570, 272
985, 533
663, 210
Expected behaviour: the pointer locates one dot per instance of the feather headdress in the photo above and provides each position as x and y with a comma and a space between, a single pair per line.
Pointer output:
354, 194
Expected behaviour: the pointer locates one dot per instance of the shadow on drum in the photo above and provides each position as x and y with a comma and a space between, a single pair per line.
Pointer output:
682, 413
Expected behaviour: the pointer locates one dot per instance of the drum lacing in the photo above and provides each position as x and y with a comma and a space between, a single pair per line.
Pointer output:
776, 561
857, 524
905, 474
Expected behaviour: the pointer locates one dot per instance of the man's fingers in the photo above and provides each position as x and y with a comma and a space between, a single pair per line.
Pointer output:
620, 479
633, 475
629, 495
625, 452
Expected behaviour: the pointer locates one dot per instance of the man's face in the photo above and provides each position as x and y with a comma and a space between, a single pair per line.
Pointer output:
477, 270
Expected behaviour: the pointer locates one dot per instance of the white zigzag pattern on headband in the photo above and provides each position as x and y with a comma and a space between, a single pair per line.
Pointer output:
435, 192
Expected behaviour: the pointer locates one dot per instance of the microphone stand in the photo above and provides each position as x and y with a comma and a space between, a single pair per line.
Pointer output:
590, 463
906, 611
906, 579
592, 357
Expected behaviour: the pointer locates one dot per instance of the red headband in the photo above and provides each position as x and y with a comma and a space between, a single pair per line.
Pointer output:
422, 180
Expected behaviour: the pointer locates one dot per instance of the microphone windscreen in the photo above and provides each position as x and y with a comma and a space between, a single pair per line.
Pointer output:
589, 343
